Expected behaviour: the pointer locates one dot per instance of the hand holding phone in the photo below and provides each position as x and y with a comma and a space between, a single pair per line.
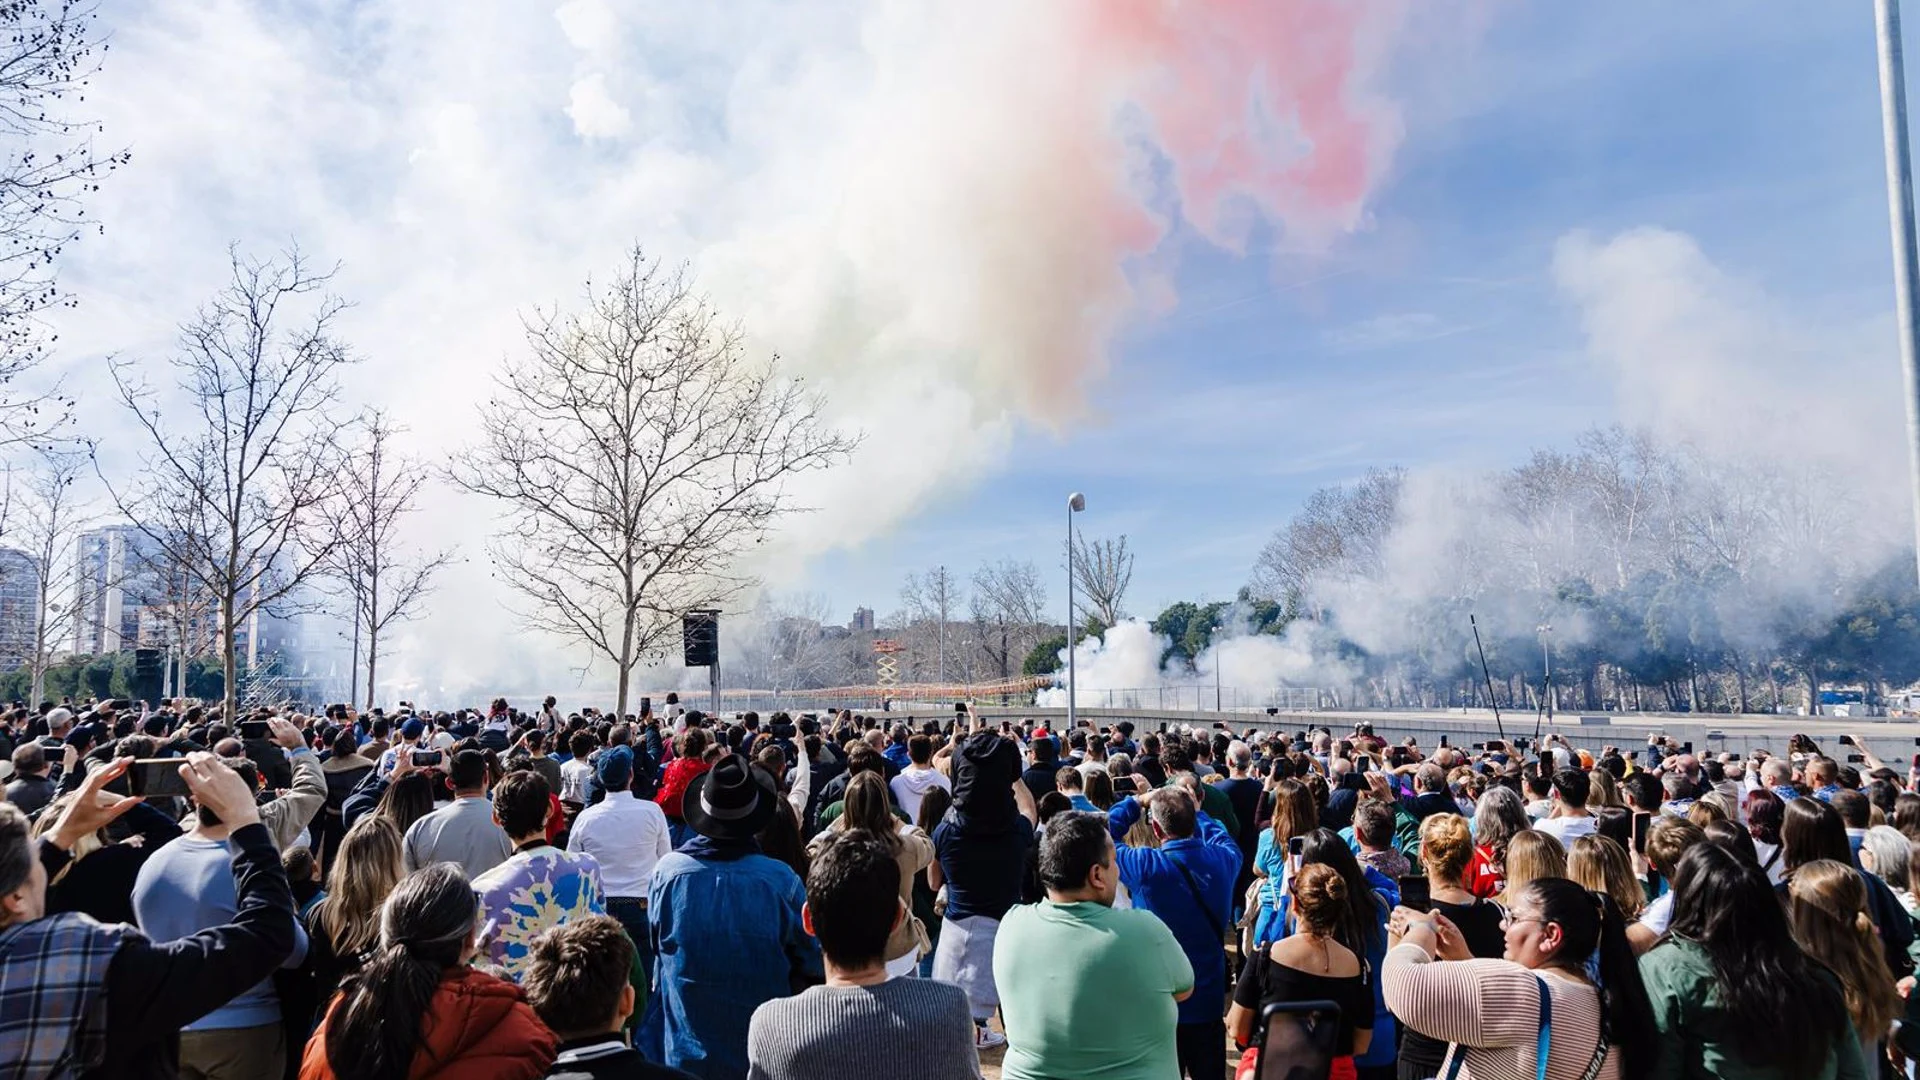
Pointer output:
154, 777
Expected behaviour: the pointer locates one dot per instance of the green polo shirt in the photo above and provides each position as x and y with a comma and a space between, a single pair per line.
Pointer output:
1087, 993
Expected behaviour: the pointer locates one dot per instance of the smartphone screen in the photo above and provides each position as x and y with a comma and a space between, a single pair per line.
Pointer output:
1416, 893
253, 729
156, 777
426, 757
1296, 846
1640, 823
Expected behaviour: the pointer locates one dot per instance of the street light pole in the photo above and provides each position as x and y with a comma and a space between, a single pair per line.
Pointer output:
1076, 502
1906, 271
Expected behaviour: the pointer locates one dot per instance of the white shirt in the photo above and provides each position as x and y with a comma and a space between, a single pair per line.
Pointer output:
1659, 913
1567, 829
574, 776
912, 785
627, 836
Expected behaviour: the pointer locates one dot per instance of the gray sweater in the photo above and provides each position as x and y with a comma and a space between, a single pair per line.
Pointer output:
901, 1029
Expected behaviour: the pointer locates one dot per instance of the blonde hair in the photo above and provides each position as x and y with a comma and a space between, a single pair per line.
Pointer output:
1830, 921
1599, 863
1532, 855
1446, 846
371, 860
1602, 790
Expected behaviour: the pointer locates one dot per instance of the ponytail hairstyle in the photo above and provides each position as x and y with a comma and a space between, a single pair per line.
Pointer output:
1594, 932
1830, 921
425, 927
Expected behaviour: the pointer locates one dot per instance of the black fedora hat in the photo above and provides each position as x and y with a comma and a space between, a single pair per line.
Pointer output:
731, 801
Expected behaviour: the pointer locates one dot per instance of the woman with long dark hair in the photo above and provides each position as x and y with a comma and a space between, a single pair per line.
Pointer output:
1764, 813
407, 799
1733, 993
1563, 942
417, 1009
1811, 831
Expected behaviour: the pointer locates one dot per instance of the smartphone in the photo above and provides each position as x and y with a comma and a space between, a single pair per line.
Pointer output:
426, 757
959, 707
53, 743
1916, 761
1416, 893
1846, 740
1479, 746
153, 777
1443, 742
1296, 847
646, 706
1640, 823
1686, 747
253, 729
1856, 759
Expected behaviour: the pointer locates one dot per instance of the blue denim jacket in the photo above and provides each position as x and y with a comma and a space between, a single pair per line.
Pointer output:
727, 933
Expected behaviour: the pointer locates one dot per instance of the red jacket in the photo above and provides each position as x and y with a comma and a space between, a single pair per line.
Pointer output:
673, 785
477, 1028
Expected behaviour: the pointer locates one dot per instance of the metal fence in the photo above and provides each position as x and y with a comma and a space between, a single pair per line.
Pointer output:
1195, 698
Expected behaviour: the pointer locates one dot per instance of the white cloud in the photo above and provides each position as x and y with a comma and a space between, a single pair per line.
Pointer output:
596, 115
590, 25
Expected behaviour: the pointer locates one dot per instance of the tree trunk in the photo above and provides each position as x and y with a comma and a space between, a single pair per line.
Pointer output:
38, 692
625, 663
229, 663
373, 659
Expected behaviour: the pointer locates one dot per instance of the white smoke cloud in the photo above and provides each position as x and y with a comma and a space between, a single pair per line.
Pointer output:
941, 214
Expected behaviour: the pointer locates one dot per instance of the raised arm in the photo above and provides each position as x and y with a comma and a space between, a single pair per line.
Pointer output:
155, 988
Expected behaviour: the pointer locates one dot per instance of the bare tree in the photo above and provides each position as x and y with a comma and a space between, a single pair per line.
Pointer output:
931, 597
384, 581
639, 452
1103, 569
787, 645
48, 165
1009, 612
234, 488
1341, 533
50, 523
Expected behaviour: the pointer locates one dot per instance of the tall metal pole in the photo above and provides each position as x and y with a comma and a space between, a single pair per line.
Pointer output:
1893, 122
1076, 502
1072, 713
713, 670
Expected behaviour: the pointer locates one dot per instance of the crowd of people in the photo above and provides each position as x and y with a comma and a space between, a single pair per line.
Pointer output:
501, 894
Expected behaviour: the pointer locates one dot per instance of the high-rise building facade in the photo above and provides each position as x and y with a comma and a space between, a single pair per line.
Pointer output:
19, 606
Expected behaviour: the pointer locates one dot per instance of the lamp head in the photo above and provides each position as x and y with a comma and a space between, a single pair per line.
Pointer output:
1076, 502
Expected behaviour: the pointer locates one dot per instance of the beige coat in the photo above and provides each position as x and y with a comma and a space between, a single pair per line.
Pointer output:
915, 852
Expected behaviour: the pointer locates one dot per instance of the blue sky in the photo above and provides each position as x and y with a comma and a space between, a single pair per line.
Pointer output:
465, 162
1438, 336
